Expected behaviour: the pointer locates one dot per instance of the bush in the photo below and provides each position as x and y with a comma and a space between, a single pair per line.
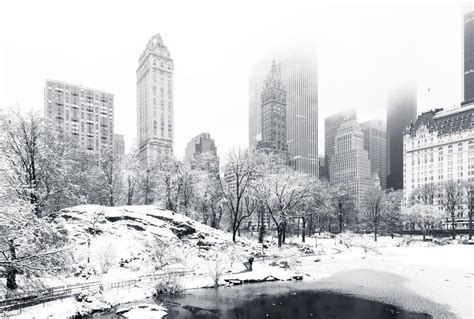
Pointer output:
169, 285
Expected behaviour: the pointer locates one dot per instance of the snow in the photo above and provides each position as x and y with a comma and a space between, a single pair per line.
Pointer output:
442, 274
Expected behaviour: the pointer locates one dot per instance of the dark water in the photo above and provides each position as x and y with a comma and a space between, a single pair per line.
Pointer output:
301, 304
290, 300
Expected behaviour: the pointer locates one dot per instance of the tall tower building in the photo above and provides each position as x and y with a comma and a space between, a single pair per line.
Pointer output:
469, 57
331, 125
155, 128
375, 142
273, 112
299, 76
203, 143
119, 145
350, 164
83, 114
401, 112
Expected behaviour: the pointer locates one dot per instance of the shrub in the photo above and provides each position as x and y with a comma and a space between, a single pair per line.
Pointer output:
169, 285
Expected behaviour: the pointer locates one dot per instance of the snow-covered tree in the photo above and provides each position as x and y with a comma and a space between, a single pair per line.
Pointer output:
393, 219
130, 177
29, 244
344, 204
281, 193
240, 171
452, 195
425, 217
426, 194
40, 164
110, 165
375, 205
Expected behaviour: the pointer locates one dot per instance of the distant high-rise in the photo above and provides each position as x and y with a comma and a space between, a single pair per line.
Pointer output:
119, 144
155, 128
331, 125
401, 111
203, 143
299, 77
375, 142
83, 114
469, 57
273, 110
350, 164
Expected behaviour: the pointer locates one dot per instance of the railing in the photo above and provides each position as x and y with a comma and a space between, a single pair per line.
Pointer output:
52, 293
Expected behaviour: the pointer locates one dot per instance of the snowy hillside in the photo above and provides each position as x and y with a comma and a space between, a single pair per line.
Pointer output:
126, 238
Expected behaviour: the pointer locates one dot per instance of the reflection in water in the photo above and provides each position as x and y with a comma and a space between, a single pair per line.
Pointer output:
301, 304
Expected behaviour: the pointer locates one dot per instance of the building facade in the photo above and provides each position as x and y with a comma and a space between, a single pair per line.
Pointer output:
375, 142
437, 148
203, 143
299, 76
350, 164
401, 112
155, 121
119, 145
331, 125
469, 57
84, 115
273, 113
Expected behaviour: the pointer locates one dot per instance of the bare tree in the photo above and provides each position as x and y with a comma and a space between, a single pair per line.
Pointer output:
425, 217
470, 205
131, 176
111, 170
106, 256
375, 206
343, 202
426, 193
281, 193
392, 222
452, 196
240, 171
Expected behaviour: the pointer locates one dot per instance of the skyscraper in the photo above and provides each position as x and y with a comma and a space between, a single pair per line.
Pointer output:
331, 125
401, 111
273, 113
375, 142
83, 114
155, 128
119, 145
300, 78
350, 164
203, 143
469, 57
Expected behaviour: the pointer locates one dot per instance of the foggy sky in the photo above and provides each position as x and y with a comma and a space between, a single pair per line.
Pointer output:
364, 50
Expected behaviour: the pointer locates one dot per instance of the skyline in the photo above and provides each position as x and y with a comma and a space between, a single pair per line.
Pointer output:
211, 83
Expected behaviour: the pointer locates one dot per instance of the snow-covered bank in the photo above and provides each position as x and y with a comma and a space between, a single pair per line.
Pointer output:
442, 274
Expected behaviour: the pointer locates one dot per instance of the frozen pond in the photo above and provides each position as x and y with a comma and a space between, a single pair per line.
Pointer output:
335, 297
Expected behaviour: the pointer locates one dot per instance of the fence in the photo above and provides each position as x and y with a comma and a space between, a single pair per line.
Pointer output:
19, 300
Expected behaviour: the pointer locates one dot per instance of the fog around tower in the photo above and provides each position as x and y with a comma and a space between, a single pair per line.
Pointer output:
364, 50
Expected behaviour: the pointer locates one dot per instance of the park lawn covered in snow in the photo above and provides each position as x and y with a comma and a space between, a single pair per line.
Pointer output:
125, 237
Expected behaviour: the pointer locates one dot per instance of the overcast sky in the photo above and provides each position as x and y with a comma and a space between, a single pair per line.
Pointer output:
364, 50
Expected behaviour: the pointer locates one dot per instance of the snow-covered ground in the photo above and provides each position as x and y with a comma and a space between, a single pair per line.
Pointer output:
442, 274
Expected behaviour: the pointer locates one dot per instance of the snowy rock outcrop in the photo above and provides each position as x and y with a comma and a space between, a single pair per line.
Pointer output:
117, 240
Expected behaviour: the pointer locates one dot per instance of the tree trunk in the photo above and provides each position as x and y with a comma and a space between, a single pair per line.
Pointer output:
279, 235
453, 224
261, 233
470, 224
340, 222
11, 270
303, 230
298, 231
375, 233
284, 233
